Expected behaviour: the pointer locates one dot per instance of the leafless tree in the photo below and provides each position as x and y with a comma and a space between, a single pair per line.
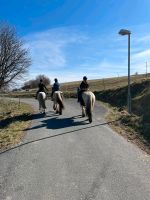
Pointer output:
35, 82
14, 57
45, 79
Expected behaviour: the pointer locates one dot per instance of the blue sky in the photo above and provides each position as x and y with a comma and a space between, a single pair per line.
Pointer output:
72, 38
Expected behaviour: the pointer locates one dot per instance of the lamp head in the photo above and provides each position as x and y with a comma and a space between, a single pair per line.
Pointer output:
124, 32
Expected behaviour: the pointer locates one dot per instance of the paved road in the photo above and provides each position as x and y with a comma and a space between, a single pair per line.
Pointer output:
77, 161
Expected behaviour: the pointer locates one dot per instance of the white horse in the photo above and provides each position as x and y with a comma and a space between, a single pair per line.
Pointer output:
89, 100
41, 98
58, 105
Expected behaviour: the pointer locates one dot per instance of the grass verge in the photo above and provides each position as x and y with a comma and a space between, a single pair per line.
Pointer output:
129, 126
135, 127
14, 119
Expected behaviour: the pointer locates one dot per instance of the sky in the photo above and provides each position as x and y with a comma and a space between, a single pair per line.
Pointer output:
69, 39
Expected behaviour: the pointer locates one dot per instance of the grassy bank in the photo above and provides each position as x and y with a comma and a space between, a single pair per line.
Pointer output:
135, 127
14, 118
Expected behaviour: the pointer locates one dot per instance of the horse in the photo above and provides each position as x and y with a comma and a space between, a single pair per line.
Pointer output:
58, 105
41, 98
89, 101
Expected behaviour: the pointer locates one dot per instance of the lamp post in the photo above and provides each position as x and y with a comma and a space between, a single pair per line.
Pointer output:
127, 32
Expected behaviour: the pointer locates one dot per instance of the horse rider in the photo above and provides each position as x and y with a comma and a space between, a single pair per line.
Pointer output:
84, 86
55, 87
42, 88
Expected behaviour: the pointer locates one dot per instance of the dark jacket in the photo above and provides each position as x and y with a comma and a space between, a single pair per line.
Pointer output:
84, 86
42, 87
56, 87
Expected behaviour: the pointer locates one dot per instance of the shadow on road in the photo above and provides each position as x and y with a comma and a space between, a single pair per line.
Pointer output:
63, 133
5, 122
58, 123
24, 117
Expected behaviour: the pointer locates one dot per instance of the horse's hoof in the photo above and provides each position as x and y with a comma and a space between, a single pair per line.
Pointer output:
83, 115
90, 120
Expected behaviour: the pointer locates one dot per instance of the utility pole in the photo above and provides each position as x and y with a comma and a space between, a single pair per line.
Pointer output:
129, 91
146, 68
128, 33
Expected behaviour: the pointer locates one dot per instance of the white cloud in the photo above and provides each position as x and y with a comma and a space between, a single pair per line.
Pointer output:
71, 52
142, 55
48, 47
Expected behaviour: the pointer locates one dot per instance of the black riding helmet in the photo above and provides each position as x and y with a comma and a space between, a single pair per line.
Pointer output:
84, 78
56, 80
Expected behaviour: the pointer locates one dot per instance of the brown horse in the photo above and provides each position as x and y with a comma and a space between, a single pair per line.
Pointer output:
89, 101
58, 105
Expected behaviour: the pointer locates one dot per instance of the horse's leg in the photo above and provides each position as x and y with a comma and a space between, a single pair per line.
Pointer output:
60, 109
57, 108
54, 106
39, 104
90, 105
44, 107
90, 117
83, 111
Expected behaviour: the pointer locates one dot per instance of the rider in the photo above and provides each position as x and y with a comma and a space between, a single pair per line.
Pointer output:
56, 87
42, 87
84, 86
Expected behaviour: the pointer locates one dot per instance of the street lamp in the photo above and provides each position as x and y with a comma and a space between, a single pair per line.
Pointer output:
127, 32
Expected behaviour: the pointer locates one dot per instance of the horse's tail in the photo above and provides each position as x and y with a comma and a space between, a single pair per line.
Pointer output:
41, 98
60, 101
90, 104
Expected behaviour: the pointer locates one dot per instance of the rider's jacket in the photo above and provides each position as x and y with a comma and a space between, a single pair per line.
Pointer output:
41, 87
84, 86
55, 87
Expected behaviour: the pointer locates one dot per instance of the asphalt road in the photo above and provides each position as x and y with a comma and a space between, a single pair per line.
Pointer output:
75, 160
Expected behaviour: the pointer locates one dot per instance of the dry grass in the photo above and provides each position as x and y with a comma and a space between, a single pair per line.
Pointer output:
125, 130
70, 89
104, 84
15, 117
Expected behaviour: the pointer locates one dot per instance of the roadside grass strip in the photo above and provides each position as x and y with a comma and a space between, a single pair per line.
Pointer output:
14, 119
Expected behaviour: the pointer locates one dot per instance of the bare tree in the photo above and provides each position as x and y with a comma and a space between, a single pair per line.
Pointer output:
45, 79
14, 58
35, 82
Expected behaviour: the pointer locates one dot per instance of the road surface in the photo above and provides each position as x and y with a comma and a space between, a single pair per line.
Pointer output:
75, 160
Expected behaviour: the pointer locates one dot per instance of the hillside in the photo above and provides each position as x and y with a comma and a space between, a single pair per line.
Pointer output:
137, 125
70, 89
